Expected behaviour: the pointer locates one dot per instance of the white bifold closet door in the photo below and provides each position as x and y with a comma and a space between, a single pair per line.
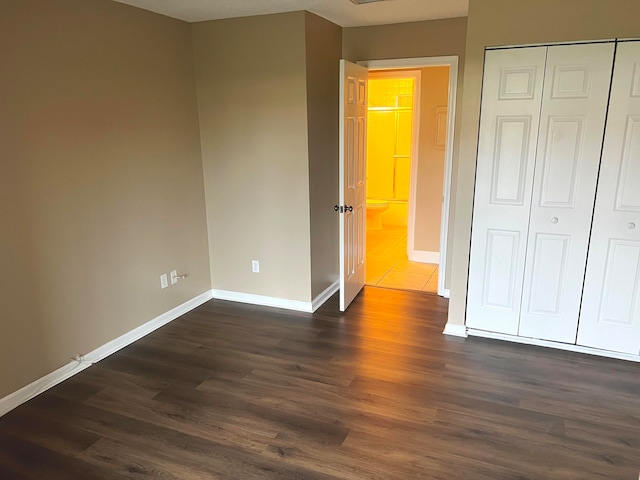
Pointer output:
574, 107
610, 316
541, 130
510, 115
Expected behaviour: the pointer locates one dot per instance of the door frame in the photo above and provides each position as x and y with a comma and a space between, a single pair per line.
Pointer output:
421, 62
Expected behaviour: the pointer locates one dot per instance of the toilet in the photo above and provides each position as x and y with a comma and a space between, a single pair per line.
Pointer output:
375, 209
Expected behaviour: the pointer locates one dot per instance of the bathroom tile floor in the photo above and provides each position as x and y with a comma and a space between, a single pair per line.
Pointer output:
388, 265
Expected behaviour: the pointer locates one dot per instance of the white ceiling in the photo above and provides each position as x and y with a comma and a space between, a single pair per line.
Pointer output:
341, 12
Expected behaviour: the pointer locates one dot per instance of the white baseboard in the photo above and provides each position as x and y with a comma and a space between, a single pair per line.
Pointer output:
146, 328
324, 296
455, 330
557, 345
446, 293
17, 398
276, 302
424, 256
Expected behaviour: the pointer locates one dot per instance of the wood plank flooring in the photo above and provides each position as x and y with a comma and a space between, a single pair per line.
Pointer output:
232, 391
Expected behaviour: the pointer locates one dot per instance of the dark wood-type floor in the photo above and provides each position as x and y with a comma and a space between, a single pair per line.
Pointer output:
240, 392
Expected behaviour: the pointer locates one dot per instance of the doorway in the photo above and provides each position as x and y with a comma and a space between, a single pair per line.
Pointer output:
408, 171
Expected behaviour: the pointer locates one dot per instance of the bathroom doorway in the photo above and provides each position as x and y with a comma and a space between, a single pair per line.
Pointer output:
406, 166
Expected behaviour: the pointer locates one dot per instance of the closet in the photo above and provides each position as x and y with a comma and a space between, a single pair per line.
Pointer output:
555, 252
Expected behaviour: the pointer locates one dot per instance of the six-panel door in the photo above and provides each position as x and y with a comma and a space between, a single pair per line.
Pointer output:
610, 317
511, 99
539, 155
574, 106
353, 144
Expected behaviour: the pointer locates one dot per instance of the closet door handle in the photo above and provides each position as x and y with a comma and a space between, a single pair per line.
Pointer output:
555, 220
631, 225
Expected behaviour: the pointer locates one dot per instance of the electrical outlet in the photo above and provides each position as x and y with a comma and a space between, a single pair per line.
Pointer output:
174, 277
164, 281
255, 266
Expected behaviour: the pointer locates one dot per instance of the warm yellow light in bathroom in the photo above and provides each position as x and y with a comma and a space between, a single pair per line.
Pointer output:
384, 92
390, 131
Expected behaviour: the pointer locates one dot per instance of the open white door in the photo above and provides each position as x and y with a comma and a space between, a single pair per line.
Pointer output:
353, 201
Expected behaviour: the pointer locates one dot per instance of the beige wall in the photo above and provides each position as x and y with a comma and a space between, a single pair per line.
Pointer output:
434, 93
101, 187
405, 40
251, 78
434, 38
323, 53
515, 22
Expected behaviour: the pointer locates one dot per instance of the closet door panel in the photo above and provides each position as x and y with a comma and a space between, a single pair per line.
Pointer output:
574, 106
511, 99
610, 314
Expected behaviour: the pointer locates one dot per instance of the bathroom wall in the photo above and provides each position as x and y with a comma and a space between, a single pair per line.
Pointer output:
434, 101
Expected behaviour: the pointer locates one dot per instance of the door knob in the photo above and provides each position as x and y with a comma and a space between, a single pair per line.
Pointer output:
555, 220
631, 225
342, 209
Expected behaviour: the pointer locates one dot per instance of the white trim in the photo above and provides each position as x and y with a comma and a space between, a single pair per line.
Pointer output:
446, 181
455, 330
552, 44
557, 345
452, 63
146, 328
276, 302
17, 398
417, 62
423, 256
415, 155
325, 295
446, 293
262, 300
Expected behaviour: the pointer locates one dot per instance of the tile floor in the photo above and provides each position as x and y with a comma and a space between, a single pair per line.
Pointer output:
388, 265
